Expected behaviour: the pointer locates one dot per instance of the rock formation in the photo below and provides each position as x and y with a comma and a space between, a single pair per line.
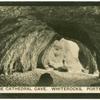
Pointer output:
23, 44
27, 36
24, 39
67, 55
87, 59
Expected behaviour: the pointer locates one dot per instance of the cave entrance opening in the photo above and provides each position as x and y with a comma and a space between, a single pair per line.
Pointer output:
68, 55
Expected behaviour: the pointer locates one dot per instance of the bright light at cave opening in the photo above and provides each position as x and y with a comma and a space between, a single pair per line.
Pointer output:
63, 55
71, 53
74, 48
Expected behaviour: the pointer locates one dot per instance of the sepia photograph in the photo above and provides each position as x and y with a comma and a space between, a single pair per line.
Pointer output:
49, 47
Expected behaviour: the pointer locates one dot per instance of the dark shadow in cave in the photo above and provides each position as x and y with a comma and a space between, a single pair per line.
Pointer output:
18, 65
45, 80
73, 31
96, 84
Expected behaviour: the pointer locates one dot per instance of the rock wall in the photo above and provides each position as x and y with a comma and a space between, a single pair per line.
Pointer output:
87, 58
22, 46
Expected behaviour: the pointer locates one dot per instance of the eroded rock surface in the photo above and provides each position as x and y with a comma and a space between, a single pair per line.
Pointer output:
23, 45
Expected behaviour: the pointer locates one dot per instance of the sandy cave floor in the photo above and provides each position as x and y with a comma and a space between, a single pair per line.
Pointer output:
59, 78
